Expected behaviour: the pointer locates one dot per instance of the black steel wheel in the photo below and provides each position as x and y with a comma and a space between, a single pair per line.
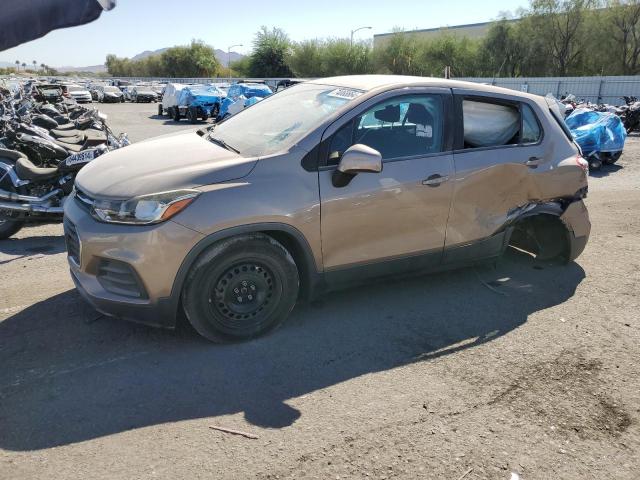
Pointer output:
160, 109
240, 288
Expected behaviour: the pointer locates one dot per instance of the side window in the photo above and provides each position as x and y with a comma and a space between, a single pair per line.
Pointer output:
489, 124
531, 132
406, 126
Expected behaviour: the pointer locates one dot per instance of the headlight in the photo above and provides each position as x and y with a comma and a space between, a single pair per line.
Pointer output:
144, 210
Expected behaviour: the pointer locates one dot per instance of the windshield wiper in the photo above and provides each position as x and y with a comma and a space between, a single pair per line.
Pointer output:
224, 144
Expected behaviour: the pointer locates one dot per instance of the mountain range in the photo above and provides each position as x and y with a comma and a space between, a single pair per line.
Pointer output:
221, 55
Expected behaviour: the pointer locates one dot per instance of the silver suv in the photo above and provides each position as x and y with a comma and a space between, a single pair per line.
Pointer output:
325, 183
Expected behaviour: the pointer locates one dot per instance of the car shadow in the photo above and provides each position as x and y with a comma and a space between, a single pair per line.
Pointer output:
69, 375
18, 248
605, 170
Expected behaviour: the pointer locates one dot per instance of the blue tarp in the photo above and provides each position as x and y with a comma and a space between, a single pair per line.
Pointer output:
203, 96
247, 93
596, 131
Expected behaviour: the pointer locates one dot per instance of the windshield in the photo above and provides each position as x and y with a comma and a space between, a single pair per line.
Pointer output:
74, 88
278, 122
112, 89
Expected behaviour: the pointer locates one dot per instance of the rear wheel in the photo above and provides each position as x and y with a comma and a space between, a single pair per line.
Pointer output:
176, 114
160, 109
240, 288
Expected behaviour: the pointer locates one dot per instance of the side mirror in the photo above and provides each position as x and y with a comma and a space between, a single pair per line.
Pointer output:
357, 159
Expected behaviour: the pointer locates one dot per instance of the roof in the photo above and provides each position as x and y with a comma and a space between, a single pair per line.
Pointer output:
382, 82
444, 27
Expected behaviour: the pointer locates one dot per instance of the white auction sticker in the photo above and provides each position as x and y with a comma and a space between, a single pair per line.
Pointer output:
346, 93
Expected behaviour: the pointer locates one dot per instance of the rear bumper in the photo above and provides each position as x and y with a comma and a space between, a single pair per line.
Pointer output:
576, 219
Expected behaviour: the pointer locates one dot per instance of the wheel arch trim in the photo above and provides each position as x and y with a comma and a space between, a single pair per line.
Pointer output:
303, 256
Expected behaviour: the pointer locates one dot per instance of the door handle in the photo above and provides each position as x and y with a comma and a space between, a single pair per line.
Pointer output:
435, 180
533, 162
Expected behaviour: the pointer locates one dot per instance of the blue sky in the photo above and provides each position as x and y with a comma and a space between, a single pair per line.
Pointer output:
138, 25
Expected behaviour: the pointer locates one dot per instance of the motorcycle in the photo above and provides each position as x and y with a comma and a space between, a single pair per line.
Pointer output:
35, 191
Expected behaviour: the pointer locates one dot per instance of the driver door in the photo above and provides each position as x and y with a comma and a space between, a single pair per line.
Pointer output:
400, 213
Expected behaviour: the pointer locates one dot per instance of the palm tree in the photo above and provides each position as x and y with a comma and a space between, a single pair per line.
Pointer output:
18, 64
34, 64
24, 66
42, 65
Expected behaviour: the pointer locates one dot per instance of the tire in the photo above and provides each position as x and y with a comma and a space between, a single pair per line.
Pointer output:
176, 114
192, 116
215, 111
240, 288
160, 109
9, 228
612, 158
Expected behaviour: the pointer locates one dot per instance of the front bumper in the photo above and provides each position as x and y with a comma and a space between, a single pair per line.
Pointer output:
106, 99
154, 253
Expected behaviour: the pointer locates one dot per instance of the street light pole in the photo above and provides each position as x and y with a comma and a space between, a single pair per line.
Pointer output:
356, 30
229, 58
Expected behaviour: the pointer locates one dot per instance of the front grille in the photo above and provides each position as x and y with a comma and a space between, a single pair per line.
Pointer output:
72, 241
119, 278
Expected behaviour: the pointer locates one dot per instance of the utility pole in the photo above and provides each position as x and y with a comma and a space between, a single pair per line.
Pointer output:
229, 58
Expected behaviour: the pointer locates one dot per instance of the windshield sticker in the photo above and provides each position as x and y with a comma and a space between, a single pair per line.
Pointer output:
346, 93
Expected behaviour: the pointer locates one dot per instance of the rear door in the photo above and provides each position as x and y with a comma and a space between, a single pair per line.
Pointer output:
499, 146
402, 211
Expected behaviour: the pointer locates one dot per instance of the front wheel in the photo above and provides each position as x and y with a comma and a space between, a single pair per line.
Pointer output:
160, 109
240, 288
176, 114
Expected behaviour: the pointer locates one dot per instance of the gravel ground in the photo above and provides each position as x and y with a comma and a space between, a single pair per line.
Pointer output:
436, 377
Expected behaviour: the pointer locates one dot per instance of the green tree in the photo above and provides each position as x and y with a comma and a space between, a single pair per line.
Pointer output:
271, 49
624, 24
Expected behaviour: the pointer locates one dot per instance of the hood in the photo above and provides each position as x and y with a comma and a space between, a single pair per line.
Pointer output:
183, 160
112, 94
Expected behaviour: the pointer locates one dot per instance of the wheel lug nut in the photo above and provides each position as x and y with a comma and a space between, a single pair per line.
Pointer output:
240, 299
253, 287
250, 297
235, 290
244, 283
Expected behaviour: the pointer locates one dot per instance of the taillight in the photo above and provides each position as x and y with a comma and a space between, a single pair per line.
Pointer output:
582, 163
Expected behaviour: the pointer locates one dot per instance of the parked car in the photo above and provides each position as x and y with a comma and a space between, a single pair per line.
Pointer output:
79, 94
109, 94
143, 93
126, 93
199, 102
287, 82
170, 99
326, 183
49, 93
93, 90
242, 95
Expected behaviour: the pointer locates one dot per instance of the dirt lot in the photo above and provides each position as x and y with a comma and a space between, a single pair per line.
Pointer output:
530, 368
